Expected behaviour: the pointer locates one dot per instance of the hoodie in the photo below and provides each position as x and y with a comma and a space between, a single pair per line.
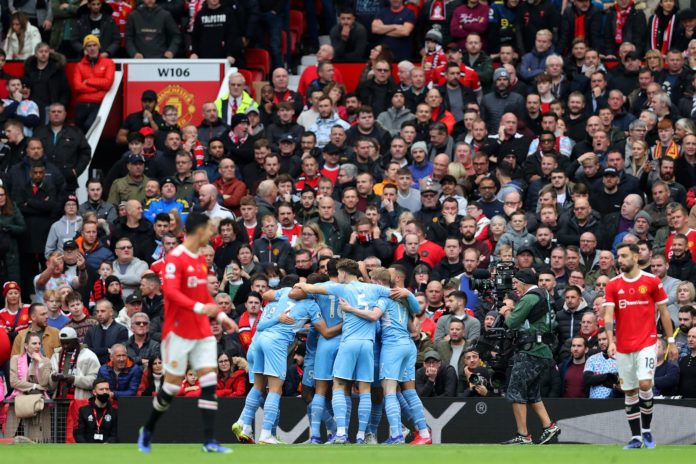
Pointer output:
515, 239
61, 231
151, 32
569, 321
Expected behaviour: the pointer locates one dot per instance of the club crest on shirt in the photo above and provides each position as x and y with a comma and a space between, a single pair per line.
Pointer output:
642, 289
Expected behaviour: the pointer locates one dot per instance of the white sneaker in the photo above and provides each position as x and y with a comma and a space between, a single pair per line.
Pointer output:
371, 439
268, 441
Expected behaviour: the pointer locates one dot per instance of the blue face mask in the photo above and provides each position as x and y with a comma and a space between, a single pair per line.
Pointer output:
273, 282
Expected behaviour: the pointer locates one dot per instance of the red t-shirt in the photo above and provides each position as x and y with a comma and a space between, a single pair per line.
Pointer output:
185, 284
691, 235
292, 233
330, 173
634, 310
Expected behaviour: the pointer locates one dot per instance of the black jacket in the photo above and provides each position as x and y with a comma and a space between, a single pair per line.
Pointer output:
151, 32
593, 28
69, 151
142, 237
50, 84
39, 211
87, 430
99, 340
445, 383
635, 31
218, 33
109, 34
378, 95
683, 269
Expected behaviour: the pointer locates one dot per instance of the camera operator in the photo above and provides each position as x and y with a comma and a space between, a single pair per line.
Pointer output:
474, 380
533, 358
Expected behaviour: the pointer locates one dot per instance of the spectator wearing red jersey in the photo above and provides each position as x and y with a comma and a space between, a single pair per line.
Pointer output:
324, 54
289, 227
92, 78
249, 319
15, 315
190, 386
429, 252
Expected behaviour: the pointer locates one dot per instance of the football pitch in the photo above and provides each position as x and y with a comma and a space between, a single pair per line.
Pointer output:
348, 454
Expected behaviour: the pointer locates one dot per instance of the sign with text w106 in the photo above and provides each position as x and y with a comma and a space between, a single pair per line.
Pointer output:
183, 84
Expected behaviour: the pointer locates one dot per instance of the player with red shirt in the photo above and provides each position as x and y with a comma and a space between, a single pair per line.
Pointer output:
631, 298
187, 339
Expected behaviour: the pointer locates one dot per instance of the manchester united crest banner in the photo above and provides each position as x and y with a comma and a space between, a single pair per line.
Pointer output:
183, 84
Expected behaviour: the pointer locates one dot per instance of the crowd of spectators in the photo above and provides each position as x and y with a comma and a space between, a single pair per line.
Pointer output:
542, 132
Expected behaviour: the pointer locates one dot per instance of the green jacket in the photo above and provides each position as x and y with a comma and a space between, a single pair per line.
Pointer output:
125, 188
518, 316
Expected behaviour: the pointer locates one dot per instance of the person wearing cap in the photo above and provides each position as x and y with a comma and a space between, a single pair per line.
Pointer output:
166, 202
92, 78
421, 167
283, 125
73, 367
533, 359
348, 37
609, 198
435, 379
96, 15
499, 101
132, 304
433, 52
396, 114
148, 116
239, 143
64, 145
65, 228
132, 185
328, 117
236, 101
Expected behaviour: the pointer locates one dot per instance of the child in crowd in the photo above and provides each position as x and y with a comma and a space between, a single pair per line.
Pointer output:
99, 288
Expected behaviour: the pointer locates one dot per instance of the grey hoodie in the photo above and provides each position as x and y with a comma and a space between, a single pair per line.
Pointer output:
516, 240
61, 231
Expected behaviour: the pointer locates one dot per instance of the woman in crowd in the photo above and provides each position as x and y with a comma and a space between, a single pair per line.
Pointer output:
686, 294
248, 263
22, 38
152, 378
12, 226
30, 373
377, 53
311, 238
638, 158
232, 375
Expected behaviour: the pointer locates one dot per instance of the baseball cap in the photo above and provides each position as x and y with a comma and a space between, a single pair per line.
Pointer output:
527, 276
147, 131
610, 172
149, 95
525, 249
70, 245
168, 180
253, 109
432, 354
287, 138
429, 185
331, 149
67, 333
133, 298
136, 159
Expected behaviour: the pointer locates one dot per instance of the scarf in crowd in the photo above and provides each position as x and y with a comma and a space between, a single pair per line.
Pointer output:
437, 10
580, 25
671, 151
661, 29
621, 17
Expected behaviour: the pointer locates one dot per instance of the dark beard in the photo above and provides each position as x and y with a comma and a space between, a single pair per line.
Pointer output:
468, 237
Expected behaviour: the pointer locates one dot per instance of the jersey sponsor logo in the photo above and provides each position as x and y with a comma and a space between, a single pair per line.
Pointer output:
170, 269
625, 303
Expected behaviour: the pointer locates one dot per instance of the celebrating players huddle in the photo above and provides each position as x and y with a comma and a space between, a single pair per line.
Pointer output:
354, 310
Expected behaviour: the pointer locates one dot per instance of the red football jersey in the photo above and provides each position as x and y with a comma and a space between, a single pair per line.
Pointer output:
185, 284
7, 320
691, 235
634, 310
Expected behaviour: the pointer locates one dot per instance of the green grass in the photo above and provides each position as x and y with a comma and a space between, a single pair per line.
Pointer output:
300, 454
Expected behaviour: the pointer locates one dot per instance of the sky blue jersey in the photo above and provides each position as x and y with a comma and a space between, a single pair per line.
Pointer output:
361, 296
300, 310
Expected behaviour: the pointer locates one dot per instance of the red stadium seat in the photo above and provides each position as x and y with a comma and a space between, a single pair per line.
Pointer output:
249, 78
258, 59
297, 23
